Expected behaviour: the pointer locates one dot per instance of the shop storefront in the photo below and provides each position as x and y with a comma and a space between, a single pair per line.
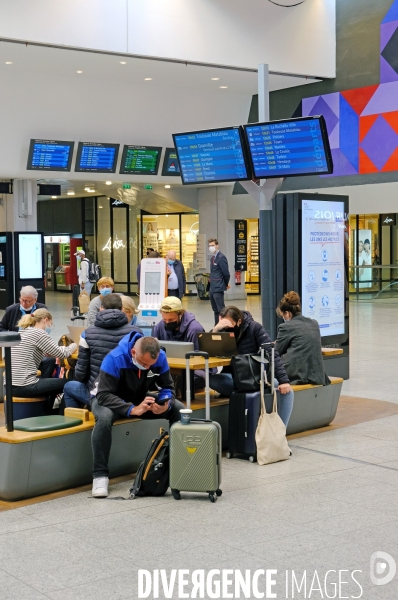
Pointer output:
253, 258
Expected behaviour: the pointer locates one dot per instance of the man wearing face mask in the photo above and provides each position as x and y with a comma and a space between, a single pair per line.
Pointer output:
105, 286
126, 375
219, 278
179, 325
176, 281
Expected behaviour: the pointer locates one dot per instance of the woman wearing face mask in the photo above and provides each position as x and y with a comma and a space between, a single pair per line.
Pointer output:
131, 312
299, 343
105, 286
35, 343
249, 336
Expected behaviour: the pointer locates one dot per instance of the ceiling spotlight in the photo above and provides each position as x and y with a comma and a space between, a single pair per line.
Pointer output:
123, 62
54, 197
167, 186
223, 87
215, 78
108, 182
70, 193
148, 78
9, 62
79, 71
102, 206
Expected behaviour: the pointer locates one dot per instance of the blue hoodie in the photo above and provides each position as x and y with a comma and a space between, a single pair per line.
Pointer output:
121, 385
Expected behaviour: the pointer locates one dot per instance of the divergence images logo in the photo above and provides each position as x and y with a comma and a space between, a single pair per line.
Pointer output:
382, 568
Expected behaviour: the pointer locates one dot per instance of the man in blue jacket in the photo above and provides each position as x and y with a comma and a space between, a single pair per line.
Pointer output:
219, 278
176, 281
126, 375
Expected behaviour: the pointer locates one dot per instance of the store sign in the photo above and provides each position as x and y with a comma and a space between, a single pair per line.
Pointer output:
57, 239
241, 245
117, 244
117, 202
388, 220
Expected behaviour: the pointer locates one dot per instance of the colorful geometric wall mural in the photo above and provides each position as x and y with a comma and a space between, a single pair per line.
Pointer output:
363, 123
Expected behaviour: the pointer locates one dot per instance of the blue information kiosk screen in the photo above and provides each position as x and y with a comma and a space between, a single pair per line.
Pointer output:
293, 147
49, 155
210, 156
96, 158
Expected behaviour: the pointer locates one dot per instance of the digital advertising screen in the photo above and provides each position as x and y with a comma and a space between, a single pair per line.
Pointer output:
323, 276
50, 155
170, 163
140, 160
152, 282
30, 256
96, 158
290, 147
212, 156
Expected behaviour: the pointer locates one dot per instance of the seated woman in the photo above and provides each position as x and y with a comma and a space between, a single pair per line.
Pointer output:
249, 336
299, 344
27, 356
131, 312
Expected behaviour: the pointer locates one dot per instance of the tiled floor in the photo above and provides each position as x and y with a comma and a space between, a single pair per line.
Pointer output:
325, 511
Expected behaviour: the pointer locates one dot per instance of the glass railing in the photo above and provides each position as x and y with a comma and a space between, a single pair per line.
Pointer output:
376, 283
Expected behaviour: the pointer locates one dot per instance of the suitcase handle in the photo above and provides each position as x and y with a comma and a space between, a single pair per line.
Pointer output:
196, 353
267, 345
207, 386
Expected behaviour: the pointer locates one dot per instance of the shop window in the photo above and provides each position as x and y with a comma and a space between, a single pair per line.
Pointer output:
104, 239
253, 258
364, 251
120, 248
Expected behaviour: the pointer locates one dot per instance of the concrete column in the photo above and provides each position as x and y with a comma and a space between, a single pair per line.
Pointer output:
18, 211
214, 223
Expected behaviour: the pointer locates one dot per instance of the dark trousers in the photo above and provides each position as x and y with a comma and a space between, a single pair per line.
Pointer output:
175, 293
101, 439
217, 304
46, 367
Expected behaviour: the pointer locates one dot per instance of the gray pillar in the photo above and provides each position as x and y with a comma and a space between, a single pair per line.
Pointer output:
18, 211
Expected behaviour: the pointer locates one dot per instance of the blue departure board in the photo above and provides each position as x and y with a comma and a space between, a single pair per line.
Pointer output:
49, 155
211, 156
96, 158
290, 147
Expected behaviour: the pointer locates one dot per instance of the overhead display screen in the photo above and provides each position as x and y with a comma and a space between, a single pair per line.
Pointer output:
49, 155
96, 158
140, 160
322, 268
170, 163
291, 147
211, 156
30, 256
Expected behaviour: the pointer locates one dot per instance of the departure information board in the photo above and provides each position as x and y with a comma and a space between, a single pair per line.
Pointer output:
140, 160
96, 158
211, 156
49, 155
170, 163
291, 147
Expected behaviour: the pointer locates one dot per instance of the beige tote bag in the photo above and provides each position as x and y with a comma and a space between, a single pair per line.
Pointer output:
84, 302
271, 436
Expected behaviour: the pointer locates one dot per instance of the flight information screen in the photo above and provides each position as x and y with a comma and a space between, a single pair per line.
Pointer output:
96, 158
291, 147
140, 160
170, 163
210, 156
50, 155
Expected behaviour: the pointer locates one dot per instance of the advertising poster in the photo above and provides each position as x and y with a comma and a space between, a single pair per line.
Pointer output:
322, 297
363, 257
241, 245
30, 256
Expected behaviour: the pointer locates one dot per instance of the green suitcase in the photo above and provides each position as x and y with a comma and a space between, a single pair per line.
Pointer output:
196, 449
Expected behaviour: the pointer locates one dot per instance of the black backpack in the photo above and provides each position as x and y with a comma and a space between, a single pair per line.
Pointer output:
94, 271
152, 478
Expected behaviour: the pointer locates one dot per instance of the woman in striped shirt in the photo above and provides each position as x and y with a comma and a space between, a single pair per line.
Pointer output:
27, 356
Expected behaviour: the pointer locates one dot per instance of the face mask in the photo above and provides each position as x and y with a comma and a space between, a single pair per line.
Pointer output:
137, 364
105, 291
212, 249
172, 326
49, 330
170, 262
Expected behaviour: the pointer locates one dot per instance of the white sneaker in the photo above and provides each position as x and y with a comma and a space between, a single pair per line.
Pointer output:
100, 487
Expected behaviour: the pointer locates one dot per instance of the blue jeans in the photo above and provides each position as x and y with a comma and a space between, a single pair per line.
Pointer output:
76, 395
223, 384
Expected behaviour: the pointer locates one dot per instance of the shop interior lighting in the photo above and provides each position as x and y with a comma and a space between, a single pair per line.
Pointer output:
54, 197
9, 62
148, 78
167, 186
215, 78
108, 182
70, 193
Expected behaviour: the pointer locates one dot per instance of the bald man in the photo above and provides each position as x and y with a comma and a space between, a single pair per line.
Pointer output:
176, 281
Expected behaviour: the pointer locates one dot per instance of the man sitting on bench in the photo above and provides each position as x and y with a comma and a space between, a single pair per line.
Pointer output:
126, 375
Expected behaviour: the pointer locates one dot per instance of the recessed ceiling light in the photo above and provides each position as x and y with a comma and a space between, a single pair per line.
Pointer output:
148, 78
102, 206
223, 87
167, 186
215, 78
108, 182
167, 215
123, 62
79, 71
9, 62
54, 197
70, 193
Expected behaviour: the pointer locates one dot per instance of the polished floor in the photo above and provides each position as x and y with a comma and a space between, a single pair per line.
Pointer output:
321, 515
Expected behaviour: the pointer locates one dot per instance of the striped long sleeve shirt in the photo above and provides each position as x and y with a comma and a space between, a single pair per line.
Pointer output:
27, 356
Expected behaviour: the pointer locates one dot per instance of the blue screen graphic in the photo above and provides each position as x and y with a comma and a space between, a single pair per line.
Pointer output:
97, 157
49, 155
287, 148
208, 156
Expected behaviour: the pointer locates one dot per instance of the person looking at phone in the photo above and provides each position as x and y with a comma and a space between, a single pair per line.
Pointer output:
122, 390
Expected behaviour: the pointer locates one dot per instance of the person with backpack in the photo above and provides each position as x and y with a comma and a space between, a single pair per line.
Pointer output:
84, 272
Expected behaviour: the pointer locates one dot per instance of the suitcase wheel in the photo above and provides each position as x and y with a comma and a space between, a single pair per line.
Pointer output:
176, 494
219, 492
213, 497
229, 455
251, 459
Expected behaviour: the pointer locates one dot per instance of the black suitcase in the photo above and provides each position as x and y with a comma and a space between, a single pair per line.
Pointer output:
244, 413
75, 310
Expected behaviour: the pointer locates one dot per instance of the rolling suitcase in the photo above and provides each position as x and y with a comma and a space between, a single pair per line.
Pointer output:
244, 412
196, 449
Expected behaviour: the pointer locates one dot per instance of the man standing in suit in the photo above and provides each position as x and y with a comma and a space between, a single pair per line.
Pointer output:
219, 278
